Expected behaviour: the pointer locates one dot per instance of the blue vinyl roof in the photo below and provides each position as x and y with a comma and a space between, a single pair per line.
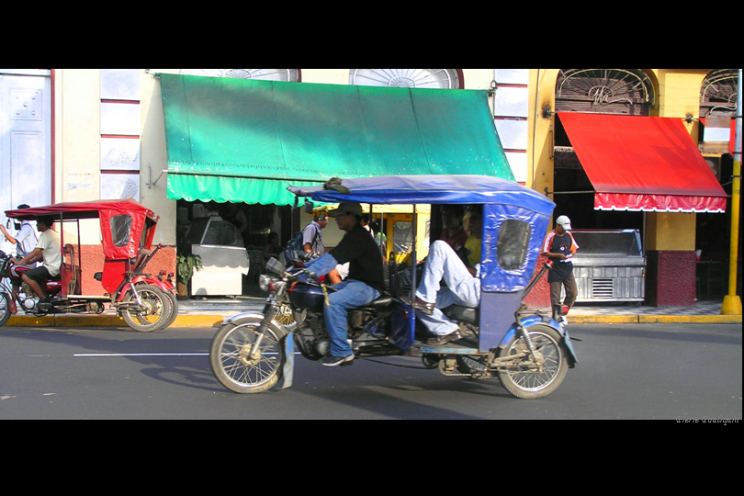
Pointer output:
433, 189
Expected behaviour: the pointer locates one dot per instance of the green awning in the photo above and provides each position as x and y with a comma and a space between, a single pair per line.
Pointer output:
244, 140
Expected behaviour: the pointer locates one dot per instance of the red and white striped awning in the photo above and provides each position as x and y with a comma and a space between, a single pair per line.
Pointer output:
643, 163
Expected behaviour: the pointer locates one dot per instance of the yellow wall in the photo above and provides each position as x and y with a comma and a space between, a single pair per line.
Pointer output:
667, 231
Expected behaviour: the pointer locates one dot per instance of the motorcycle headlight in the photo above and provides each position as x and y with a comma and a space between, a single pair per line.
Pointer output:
264, 282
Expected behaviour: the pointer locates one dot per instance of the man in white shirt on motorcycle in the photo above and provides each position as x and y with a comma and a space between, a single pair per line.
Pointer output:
47, 248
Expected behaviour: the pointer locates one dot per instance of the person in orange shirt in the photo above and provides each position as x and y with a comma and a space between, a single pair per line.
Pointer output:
560, 247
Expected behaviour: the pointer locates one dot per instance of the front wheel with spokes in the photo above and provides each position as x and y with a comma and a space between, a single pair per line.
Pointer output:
529, 378
237, 366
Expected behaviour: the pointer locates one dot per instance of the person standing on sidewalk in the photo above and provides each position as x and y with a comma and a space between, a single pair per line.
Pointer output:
560, 247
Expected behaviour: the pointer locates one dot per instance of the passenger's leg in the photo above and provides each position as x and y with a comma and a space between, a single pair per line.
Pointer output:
443, 263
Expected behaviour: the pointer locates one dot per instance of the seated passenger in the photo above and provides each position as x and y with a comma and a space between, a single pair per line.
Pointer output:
463, 288
453, 232
473, 243
47, 248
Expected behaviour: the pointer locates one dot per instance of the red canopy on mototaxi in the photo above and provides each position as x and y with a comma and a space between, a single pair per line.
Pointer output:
126, 226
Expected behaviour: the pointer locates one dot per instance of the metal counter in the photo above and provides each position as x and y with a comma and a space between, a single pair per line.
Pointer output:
609, 265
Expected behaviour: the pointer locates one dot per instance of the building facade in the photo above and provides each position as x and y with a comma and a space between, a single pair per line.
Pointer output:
84, 134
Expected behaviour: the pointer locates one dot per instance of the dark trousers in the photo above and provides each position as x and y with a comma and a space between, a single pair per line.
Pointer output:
572, 291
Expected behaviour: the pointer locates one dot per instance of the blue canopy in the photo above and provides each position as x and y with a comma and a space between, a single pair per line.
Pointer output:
432, 189
503, 200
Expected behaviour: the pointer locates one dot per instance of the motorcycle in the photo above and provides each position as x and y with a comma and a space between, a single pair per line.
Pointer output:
529, 351
146, 303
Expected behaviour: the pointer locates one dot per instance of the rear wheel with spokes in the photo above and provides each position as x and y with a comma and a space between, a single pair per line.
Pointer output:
527, 378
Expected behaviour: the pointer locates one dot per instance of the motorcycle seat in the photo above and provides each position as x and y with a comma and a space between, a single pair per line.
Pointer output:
463, 314
381, 302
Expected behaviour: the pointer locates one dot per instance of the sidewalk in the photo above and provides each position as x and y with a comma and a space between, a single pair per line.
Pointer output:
211, 313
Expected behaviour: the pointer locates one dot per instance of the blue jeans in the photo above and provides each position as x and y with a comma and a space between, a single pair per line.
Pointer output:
351, 294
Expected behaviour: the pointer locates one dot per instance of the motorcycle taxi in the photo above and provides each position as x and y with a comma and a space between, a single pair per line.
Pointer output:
146, 303
529, 351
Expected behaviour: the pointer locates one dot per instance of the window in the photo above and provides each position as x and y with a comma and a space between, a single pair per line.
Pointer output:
402, 237
291, 75
511, 245
221, 233
718, 93
121, 226
406, 78
609, 91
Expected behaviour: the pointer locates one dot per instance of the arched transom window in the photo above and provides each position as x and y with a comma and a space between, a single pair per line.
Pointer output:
615, 91
291, 75
718, 93
406, 78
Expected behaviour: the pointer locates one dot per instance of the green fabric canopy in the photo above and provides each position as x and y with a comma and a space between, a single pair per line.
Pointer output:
244, 140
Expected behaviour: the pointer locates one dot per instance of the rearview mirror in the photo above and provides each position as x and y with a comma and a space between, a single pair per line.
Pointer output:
309, 207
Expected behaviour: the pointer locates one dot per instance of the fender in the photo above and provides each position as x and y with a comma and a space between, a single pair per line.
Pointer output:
164, 286
122, 292
258, 315
536, 319
142, 280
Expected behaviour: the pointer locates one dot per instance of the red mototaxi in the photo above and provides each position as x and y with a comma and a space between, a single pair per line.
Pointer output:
127, 231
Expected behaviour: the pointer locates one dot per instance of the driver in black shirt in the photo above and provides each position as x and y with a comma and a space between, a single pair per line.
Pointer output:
364, 283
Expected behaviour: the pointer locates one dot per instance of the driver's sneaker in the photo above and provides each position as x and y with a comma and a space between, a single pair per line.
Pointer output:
13, 307
332, 361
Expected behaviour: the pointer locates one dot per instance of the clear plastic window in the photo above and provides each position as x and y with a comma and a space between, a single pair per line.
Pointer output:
512, 243
121, 226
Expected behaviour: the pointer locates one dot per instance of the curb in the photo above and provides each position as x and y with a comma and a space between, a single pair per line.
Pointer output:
105, 321
217, 320
655, 319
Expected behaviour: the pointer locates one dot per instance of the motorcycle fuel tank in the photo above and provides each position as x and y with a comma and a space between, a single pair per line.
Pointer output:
306, 296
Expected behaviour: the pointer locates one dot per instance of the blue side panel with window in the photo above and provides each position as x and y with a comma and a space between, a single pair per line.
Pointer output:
512, 239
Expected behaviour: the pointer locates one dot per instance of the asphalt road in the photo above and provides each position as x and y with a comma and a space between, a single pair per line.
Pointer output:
683, 373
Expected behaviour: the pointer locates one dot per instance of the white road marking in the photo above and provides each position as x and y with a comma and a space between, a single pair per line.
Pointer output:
136, 354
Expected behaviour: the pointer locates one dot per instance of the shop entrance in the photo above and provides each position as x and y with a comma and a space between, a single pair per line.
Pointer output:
229, 239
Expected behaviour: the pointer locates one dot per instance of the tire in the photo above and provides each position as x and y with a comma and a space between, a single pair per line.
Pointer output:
4, 308
174, 310
229, 359
527, 384
475, 365
158, 307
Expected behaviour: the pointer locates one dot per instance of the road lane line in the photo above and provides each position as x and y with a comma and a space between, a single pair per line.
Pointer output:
136, 354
